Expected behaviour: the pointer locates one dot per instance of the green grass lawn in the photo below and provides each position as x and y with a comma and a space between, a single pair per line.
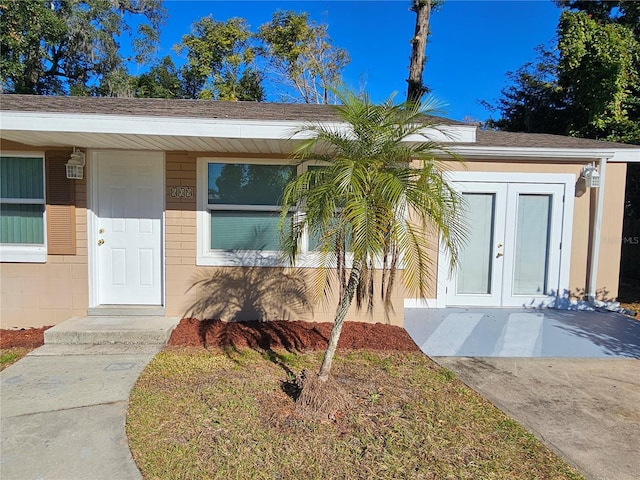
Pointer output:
9, 356
195, 414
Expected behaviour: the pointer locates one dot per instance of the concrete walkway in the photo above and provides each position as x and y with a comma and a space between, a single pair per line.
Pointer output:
586, 410
63, 407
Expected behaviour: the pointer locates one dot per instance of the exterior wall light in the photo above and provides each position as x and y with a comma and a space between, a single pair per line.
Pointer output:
591, 176
75, 165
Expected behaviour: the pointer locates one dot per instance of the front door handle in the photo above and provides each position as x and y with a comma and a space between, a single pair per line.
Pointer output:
499, 255
101, 241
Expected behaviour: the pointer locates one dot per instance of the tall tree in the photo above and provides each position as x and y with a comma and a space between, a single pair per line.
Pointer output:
599, 69
376, 197
417, 88
533, 101
300, 54
163, 80
592, 87
71, 46
221, 58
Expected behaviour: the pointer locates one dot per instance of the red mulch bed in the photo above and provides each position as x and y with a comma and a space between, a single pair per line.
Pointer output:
289, 335
277, 335
22, 338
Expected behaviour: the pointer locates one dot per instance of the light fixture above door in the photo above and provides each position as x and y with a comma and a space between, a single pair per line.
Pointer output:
75, 165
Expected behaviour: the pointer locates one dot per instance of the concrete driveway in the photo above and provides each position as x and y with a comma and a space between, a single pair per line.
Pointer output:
571, 378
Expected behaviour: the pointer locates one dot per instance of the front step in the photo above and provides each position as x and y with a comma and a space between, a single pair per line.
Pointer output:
108, 330
126, 311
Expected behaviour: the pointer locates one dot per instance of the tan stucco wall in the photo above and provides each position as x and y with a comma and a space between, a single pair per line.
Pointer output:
38, 294
223, 291
46, 294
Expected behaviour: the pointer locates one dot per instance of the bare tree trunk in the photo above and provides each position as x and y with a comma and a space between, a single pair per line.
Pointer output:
345, 303
418, 45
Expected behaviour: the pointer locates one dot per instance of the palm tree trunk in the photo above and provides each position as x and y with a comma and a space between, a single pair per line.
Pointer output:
345, 303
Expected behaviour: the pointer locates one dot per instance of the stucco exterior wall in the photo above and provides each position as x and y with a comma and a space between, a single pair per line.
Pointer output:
240, 292
49, 293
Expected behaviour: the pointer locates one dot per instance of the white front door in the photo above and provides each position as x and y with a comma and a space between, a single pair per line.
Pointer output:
514, 246
128, 227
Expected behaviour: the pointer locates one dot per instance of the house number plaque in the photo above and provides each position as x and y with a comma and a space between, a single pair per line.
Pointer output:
181, 192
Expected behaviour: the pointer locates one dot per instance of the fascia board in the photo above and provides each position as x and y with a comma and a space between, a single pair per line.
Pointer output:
139, 125
548, 154
626, 155
194, 127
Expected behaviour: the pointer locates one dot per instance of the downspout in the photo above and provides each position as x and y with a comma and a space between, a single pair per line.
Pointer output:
595, 235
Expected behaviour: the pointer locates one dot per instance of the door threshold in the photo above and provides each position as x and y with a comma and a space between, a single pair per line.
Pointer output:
126, 311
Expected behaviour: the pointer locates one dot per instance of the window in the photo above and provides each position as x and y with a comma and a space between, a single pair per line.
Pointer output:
22, 209
239, 210
238, 217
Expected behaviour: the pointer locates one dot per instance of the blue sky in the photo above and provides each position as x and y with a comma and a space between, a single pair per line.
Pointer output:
474, 43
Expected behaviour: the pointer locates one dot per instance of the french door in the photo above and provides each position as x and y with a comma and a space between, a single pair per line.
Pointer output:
513, 252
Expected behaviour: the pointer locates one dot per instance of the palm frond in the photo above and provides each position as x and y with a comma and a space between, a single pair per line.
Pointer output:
377, 197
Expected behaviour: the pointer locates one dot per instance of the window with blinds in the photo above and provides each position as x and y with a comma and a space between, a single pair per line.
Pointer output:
22, 208
244, 204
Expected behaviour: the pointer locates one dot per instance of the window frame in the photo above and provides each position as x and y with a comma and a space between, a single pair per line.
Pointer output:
27, 253
205, 256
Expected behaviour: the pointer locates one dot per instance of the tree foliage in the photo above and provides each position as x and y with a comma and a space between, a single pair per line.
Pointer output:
533, 101
368, 202
163, 80
590, 85
301, 55
221, 57
71, 46
599, 69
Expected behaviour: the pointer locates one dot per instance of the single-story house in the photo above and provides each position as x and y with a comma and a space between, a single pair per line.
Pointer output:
166, 207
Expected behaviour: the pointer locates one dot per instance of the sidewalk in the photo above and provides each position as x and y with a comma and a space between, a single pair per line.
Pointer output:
63, 408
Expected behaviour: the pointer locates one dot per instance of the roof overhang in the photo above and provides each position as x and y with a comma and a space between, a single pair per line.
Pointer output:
628, 155
174, 133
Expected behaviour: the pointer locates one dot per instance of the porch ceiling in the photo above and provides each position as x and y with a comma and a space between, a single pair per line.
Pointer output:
126, 141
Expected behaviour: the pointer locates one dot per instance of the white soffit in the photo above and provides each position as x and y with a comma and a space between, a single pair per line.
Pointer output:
171, 133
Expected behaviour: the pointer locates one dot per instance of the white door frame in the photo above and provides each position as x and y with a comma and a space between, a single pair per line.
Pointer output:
92, 222
567, 181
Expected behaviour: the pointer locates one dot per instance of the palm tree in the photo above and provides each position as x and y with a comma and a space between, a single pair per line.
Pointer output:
372, 201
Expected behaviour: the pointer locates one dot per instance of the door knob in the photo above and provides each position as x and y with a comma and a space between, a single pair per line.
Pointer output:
101, 241
499, 255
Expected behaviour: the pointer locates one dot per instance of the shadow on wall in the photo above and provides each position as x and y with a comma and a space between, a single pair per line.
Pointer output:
250, 293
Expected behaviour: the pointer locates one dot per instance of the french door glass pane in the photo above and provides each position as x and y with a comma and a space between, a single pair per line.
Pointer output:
245, 230
21, 224
531, 258
474, 272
